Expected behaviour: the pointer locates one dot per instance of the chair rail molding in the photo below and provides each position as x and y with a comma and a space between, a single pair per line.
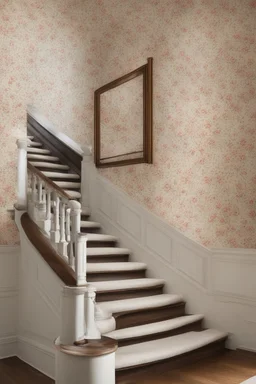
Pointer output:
213, 281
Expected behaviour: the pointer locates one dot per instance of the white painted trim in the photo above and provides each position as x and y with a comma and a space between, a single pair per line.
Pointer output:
41, 119
207, 278
37, 355
8, 346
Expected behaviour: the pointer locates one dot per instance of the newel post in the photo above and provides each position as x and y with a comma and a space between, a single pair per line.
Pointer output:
22, 174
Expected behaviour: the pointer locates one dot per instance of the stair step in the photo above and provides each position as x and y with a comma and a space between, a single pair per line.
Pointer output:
35, 144
161, 329
73, 194
41, 164
107, 255
90, 224
107, 251
115, 267
100, 240
58, 175
158, 350
42, 157
38, 150
68, 184
128, 288
142, 303
30, 137
115, 271
130, 284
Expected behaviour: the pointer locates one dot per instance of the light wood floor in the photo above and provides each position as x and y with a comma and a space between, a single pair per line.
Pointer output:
229, 368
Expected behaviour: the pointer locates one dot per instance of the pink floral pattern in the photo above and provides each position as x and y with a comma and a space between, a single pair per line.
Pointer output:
54, 54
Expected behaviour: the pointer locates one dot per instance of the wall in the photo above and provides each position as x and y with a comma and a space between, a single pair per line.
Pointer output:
219, 283
203, 180
45, 60
8, 300
54, 54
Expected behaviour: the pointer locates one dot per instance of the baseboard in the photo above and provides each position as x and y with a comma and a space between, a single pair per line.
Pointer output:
8, 346
39, 356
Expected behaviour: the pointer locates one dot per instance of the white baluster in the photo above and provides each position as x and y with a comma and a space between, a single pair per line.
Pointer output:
63, 243
75, 214
55, 225
22, 174
41, 205
80, 259
92, 331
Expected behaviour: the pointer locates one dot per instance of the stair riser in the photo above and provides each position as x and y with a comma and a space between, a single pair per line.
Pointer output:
108, 259
89, 230
128, 294
196, 327
94, 244
116, 276
209, 351
152, 315
61, 178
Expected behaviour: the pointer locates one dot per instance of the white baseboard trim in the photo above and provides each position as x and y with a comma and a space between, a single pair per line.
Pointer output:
39, 356
8, 346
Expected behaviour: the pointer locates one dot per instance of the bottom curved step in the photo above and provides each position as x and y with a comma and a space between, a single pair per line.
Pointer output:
151, 352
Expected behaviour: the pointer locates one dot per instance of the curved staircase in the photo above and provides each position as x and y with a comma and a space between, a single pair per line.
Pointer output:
151, 326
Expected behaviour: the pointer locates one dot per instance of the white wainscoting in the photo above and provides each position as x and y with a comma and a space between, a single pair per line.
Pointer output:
9, 258
220, 283
39, 308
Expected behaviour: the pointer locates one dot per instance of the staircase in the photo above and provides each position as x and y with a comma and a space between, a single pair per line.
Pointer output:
152, 327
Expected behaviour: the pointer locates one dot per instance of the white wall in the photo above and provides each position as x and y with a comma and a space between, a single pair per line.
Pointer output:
9, 257
220, 283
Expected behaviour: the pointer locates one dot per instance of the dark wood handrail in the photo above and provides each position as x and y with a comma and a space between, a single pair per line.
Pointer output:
48, 253
48, 181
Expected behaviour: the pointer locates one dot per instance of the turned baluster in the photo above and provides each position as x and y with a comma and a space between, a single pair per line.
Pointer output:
75, 215
63, 243
55, 225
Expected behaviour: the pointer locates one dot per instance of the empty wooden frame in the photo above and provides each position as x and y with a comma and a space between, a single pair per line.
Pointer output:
123, 119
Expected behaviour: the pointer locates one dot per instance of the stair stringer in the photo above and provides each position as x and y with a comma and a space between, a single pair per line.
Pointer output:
187, 267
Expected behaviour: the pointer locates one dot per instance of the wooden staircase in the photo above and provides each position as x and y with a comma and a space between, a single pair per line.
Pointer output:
152, 327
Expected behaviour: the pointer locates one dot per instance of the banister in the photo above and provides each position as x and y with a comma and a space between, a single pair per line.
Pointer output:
48, 253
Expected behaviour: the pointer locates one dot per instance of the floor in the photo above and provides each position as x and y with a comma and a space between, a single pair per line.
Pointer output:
230, 368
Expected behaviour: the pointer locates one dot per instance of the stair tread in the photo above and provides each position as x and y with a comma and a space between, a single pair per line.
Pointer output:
161, 349
89, 224
68, 184
73, 194
100, 237
59, 175
49, 165
140, 303
38, 150
115, 267
30, 137
42, 157
106, 251
115, 285
153, 328
35, 144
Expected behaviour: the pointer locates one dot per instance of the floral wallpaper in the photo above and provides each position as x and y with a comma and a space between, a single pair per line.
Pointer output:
55, 53
203, 180
46, 61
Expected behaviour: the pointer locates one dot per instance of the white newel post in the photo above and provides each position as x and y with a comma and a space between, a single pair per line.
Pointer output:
22, 174
82, 356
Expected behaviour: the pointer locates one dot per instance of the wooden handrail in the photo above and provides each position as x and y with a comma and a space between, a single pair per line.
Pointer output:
48, 181
48, 253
